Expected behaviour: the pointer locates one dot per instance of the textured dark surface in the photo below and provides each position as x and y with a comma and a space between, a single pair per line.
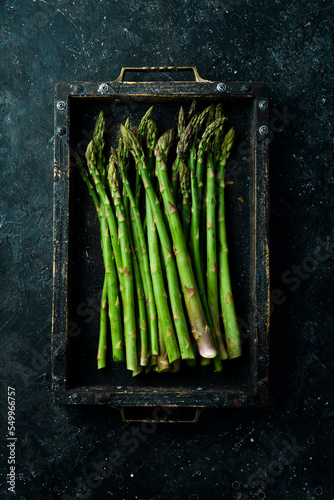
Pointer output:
285, 451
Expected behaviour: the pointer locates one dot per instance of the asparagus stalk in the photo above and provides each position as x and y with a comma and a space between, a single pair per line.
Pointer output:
161, 300
114, 309
199, 326
140, 135
144, 348
181, 150
141, 251
143, 124
172, 278
102, 345
151, 140
130, 332
211, 251
98, 139
181, 125
105, 207
206, 137
226, 297
184, 173
219, 133
162, 359
113, 298
192, 108
114, 304
195, 245
167, 341
142, 339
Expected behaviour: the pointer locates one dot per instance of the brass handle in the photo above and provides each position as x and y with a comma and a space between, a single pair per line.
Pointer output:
167, 418
161, 69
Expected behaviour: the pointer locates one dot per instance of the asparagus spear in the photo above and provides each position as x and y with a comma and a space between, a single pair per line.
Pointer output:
226, 297
181, 122
140, 135
196, 185
179, 318
151, 140
161, 300
142, 339
176, 303
102, 346
195, 242
192, 109
168, 344
162, 359
130, 333
108, 288
199, 326
144, 348
98, 139
113, 298
141, 251
143, 124
91, 157
184, 173
219, 133
181, 150
206, 137
211, 251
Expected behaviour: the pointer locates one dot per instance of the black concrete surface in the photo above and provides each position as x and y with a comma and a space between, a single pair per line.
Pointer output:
283, 452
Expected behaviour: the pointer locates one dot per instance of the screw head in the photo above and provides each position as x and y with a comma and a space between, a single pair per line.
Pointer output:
101, 398
76, 398
263, 130
103, 88
221, 87
78, 89
61, 130
263, 105
58, 381
61, 105
246, 87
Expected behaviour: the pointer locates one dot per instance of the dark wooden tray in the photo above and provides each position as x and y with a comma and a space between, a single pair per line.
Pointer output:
78, 266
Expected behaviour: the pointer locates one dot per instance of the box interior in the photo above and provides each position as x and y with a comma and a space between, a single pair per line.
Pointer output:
86, 269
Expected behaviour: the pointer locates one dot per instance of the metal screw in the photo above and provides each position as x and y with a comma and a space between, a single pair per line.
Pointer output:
263, 105
101, 398
78, 88
61, 105
59, 381
246, 87
263, 358
61, 130
263, 130
103, 88
76, 398
221, 87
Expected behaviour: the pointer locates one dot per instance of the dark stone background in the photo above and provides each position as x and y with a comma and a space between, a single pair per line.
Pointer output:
285, 451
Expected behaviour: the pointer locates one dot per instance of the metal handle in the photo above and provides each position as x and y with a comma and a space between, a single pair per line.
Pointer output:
167, 418
161, 69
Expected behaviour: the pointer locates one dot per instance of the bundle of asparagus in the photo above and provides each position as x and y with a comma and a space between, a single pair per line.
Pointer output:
152, 255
